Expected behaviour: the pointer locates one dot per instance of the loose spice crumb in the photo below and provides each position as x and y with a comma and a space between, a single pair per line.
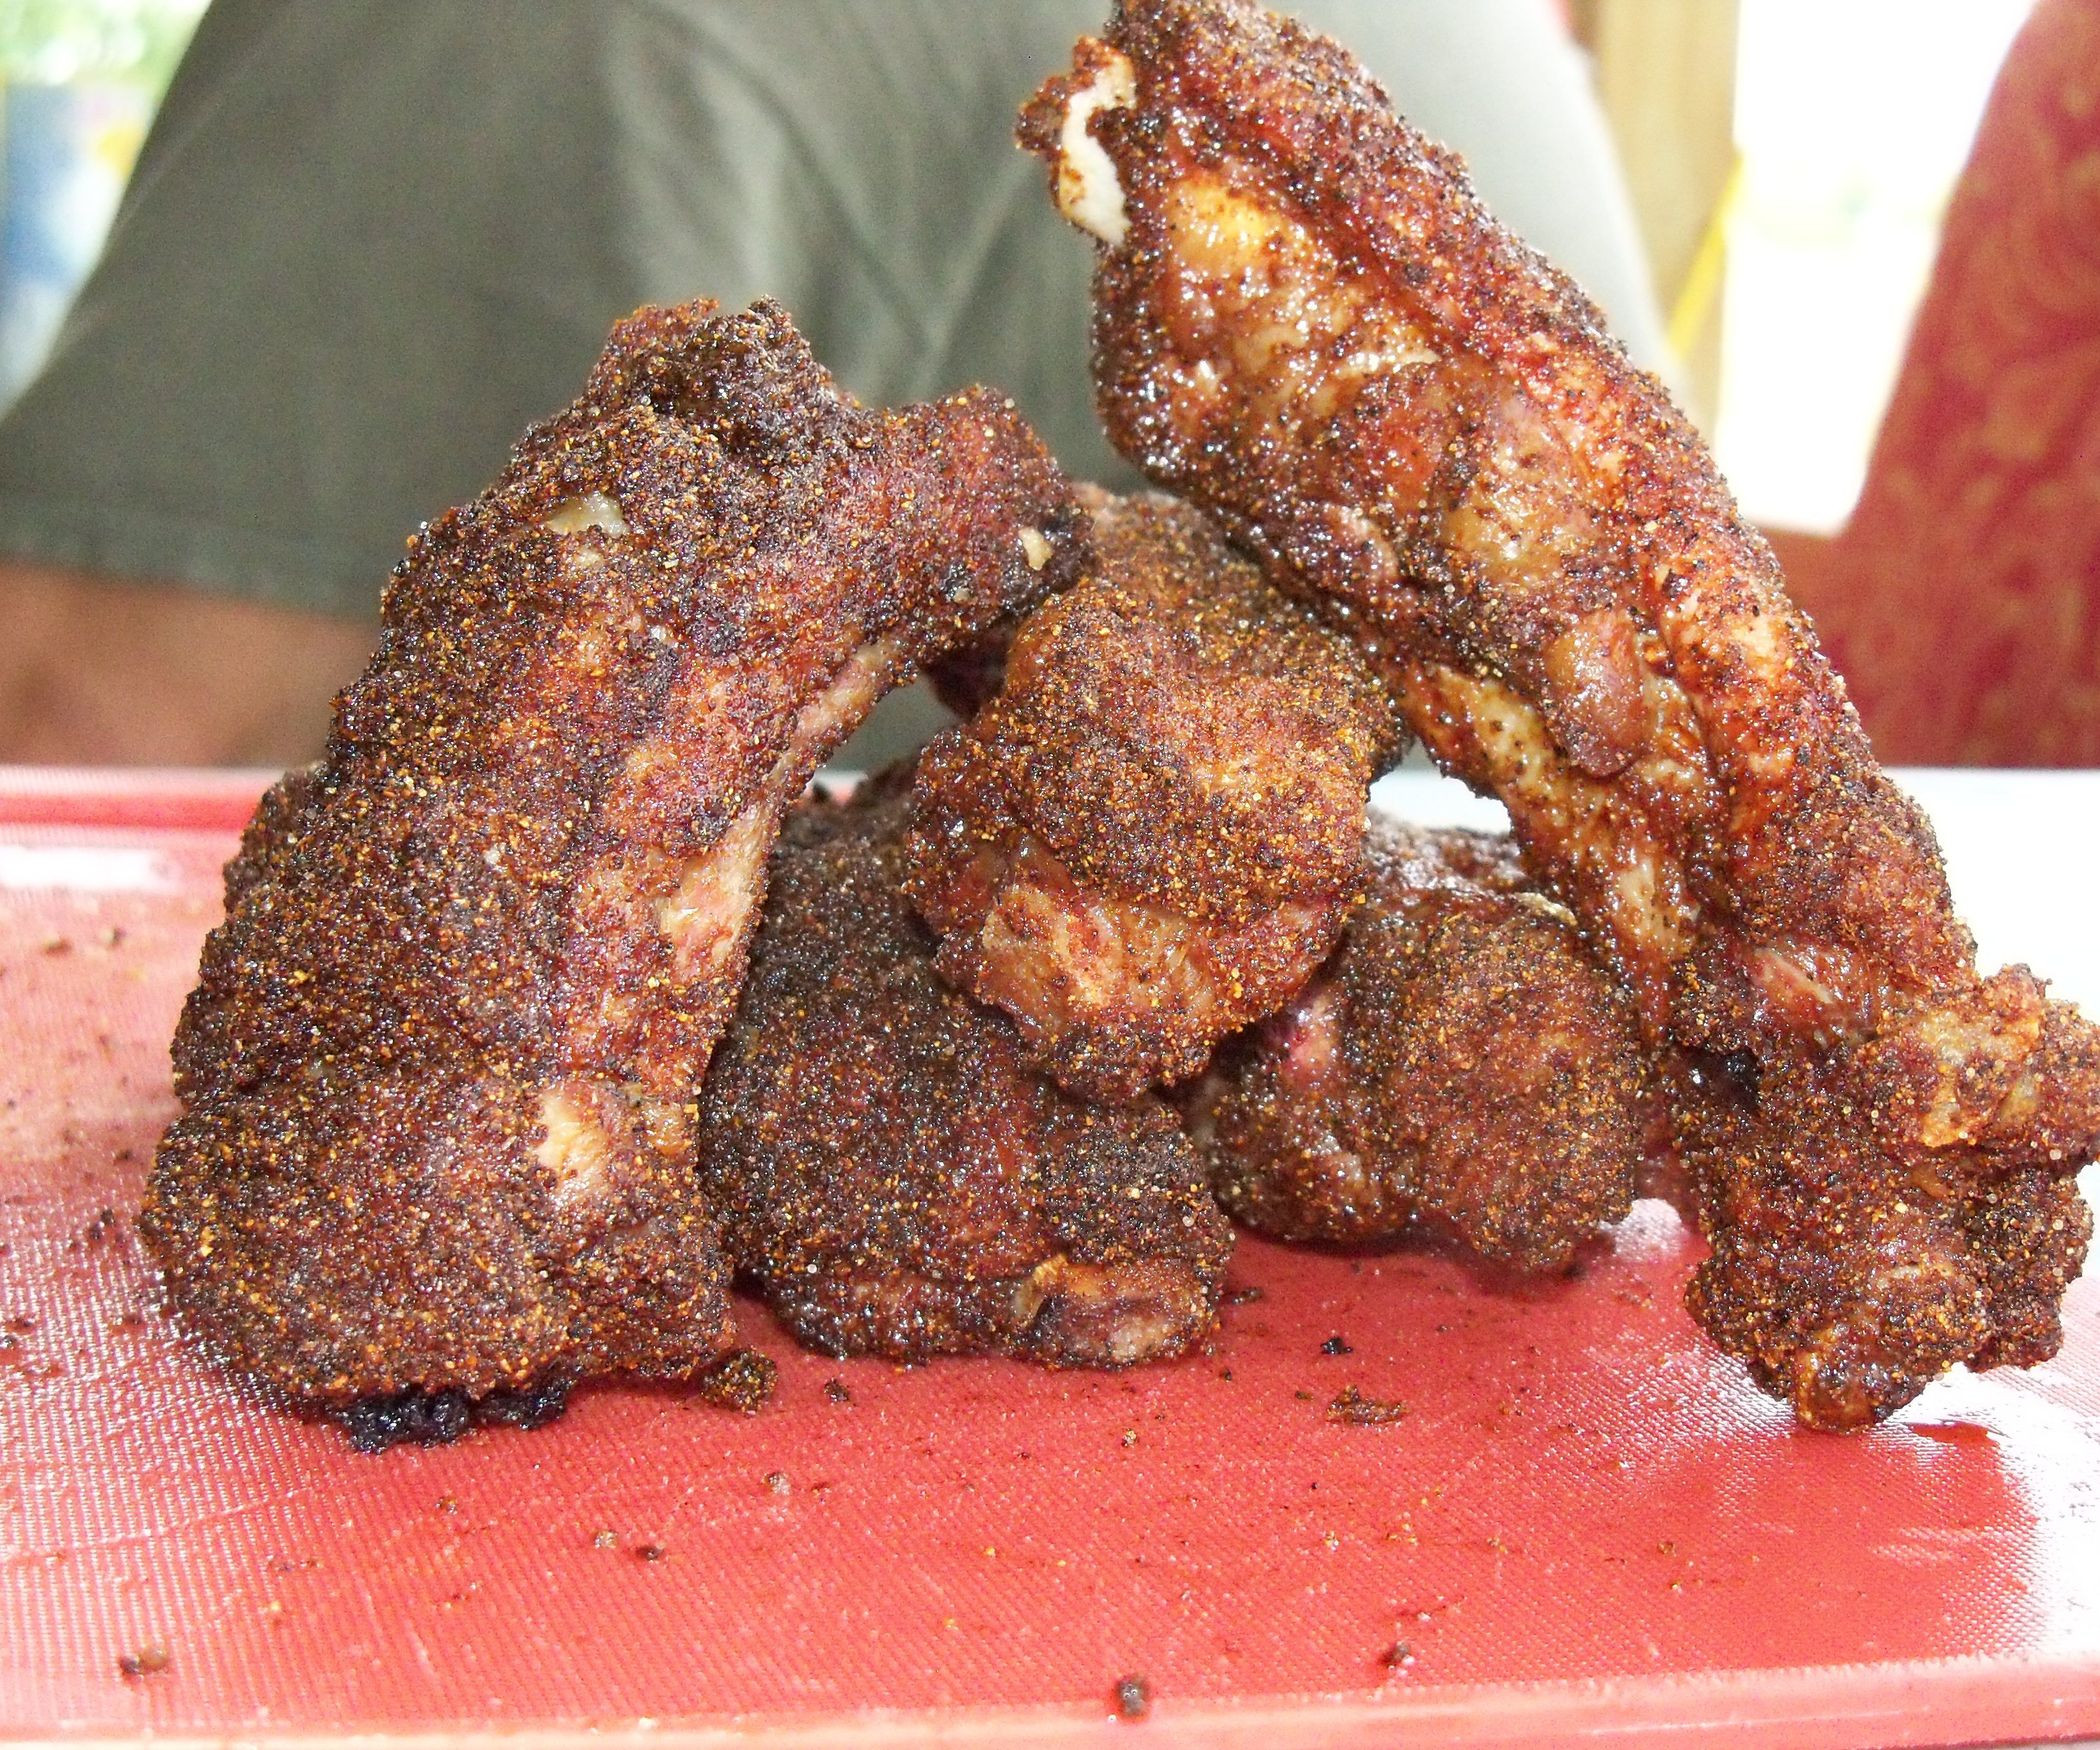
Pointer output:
777, 1482
1353, 1408
836, 1391
1133, 1698
604, 1540
1241, 1296
649, 1552
1337, 1345
741, 1381
148, 1661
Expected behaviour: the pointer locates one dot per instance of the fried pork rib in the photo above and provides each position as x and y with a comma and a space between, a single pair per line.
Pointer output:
440, 1067
1151, 836
898, 1178
1461, 1071
1306, 323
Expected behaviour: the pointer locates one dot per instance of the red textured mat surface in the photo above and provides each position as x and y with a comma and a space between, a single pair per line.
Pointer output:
1589, 1523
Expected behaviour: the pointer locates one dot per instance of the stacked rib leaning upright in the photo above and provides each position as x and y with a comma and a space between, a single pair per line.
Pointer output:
1307, 324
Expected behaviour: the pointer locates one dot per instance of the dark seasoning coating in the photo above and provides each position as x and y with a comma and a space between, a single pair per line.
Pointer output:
1460, 1071
1306, 323
442, 1075
895, 1176
1152, 834
440, 1069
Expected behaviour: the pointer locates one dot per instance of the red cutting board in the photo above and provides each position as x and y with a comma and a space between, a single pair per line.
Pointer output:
1589, 1524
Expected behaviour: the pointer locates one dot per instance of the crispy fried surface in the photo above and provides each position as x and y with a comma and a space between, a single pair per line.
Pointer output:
898, 1178
1307, 324
1460, 1071
1152, 834
439, 1067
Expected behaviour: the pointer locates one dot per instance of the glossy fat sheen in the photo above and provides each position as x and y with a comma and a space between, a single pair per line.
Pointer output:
1460, 1071
1150, 837
439, 1068
1312, 328
896, 1176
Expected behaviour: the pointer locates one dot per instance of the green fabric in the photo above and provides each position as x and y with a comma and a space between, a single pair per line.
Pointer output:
368, 242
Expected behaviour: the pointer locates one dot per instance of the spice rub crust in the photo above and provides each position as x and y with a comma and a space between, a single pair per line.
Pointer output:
440, 1069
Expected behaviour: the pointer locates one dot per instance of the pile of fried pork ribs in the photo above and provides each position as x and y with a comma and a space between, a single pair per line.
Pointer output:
553, 1001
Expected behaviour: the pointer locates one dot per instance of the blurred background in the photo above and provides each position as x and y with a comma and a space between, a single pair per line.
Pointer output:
1788, 165
79, 81
1789, 162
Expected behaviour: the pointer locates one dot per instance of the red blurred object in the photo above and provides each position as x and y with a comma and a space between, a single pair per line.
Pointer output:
1962, 600
1587, 1525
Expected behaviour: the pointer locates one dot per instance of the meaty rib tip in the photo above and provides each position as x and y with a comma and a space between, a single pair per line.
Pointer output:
898, 1178
1461, 1072
1151, 835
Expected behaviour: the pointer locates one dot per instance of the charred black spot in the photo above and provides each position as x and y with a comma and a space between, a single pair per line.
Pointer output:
421, 1418
437, 1418
533, 1408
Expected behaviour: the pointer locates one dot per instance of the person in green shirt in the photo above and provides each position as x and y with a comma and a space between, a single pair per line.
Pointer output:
366, 244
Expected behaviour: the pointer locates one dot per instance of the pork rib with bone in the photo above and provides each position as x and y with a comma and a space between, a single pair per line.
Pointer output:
441, 1069
1307, 324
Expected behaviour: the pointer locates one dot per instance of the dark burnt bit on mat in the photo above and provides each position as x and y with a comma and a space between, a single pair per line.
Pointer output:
440, 1067
895, 1175
1133, 1698
534, 1408
407, 1418
438, 1418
